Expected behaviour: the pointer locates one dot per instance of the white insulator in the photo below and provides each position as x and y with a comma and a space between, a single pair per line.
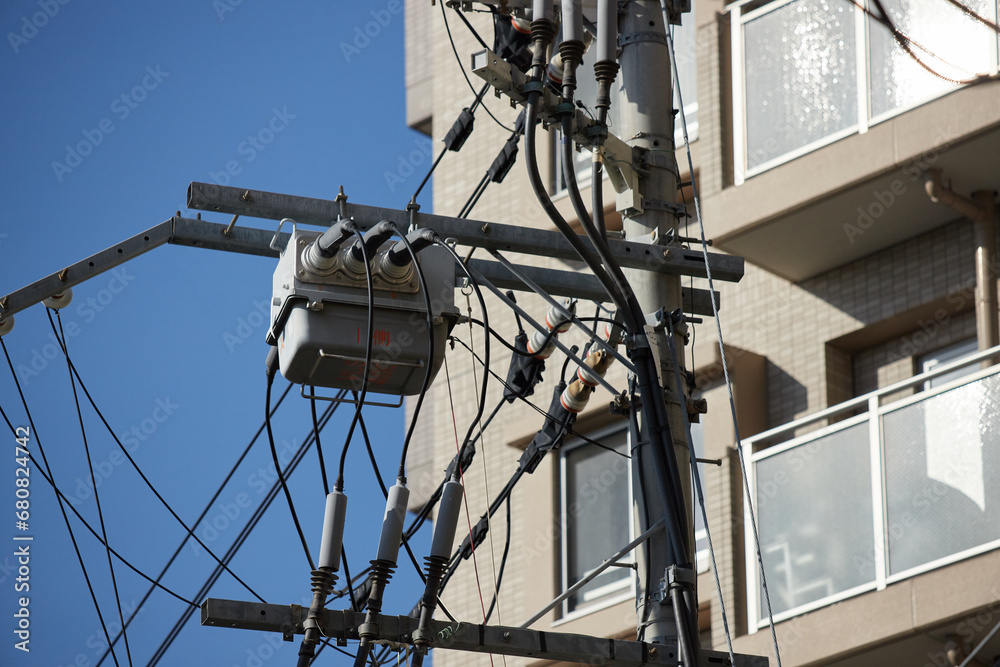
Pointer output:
607, 31
575, 400
392, 523
447, 519
315, 262
333, 531
59, 301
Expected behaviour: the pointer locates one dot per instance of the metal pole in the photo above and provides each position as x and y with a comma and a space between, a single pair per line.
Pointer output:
646, 120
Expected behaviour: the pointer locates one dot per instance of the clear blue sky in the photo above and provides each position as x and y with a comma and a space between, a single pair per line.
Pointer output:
109, 111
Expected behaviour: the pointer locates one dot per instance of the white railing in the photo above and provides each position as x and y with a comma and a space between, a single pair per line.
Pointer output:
887, 486
807, 73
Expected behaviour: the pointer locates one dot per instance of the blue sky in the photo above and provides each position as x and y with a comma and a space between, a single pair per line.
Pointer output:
109, 111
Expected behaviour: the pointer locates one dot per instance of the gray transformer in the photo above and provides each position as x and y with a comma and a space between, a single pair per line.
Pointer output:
319, 320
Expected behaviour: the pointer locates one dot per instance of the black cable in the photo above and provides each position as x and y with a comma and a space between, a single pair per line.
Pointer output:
244, 534
339, 485
475, 34
319, 446
62, 509
124, 561
548, 337
503, 564
486, 354
204, 513
142, 475
281, 477
93, 480
401, 474
541, 410
428, 175
474, 197
458, 58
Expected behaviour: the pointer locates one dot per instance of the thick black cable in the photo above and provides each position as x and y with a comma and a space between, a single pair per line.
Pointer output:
204, 513
466, 209
427, 176
339, 484
503, 564
461, 67
243, 534
142, 475
401, 474
93, 480
281, 477
62, 509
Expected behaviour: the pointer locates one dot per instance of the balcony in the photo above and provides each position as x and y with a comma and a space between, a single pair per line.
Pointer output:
886, 486
834, 126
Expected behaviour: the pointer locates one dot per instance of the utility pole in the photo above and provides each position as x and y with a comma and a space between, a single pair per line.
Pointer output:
646, 120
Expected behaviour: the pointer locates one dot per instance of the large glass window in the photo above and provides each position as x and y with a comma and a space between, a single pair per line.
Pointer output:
808, 72
596, 501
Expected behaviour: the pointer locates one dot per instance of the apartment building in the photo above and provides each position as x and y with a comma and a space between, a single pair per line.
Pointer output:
860, 188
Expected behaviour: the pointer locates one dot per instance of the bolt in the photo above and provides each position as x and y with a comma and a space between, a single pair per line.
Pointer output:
485, 229
301, 272
505, 636
247, 197
653, 652
667, 253
302, 241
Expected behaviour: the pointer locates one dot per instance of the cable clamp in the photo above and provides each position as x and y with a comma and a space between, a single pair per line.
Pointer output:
636, 37
596, 131
657, 159
564, 108
674, 208
532, 86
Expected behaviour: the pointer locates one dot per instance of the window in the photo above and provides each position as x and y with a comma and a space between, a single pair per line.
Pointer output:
597, 521
947, 355
809, 72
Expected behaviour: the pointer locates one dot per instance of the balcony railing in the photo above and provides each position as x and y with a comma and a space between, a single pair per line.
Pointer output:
809, 72
900, 485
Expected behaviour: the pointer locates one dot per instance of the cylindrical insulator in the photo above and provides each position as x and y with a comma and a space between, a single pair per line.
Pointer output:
392, 523
541, 344
447, 520
574, 397
333, 531
607, 31
597, 364
542, 9
572, 20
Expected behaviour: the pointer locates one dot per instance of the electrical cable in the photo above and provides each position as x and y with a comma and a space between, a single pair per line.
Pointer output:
430, 351
61, 336
725, 365
245, 532
124, 561
281, 477
541, 410
468, 25
360, 243
458, 58
138, 470
486, 349
204, 513
548, 337
319, 446
503, 564
970, 12
62, 509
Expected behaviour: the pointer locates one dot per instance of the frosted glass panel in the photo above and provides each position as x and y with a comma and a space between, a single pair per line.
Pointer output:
814, 504
801, 77
962, 46
942, 472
